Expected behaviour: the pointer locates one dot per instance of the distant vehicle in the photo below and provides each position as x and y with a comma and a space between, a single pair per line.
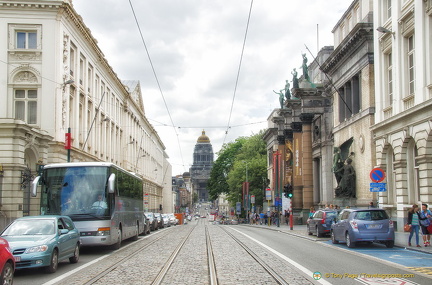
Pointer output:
173, 219
321, 222
104, 201
7, 263
160, 220
43, 241
166, 220
363, 225
154, 225
146, 226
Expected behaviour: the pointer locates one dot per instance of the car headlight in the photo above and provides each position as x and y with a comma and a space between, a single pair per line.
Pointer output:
39, 248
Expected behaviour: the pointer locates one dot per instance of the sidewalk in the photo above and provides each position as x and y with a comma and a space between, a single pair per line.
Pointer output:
401, 238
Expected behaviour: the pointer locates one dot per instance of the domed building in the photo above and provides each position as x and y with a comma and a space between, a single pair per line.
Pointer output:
201, 167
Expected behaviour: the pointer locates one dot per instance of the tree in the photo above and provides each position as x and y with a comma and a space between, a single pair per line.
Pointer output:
217, 183
229, 170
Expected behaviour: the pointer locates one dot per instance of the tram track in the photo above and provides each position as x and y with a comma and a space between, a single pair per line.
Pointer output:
277, 277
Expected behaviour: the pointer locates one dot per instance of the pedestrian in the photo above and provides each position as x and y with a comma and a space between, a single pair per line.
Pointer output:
371, 205
425, 214
326, 207
262, 218
257, 218
413, 220
311, 212
287, 215
266, 218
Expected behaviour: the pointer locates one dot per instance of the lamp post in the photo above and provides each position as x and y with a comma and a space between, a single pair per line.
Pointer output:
68, 135
246, 193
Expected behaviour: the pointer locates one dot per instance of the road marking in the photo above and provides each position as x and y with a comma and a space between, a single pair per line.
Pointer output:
292, 262
63, 276
425, 270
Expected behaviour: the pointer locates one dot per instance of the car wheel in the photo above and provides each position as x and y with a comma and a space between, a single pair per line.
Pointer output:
135, 237
390, 244
54, 262
348, 241
75, 257
7, 274
308, 231
333, 238
318, 234
117, 245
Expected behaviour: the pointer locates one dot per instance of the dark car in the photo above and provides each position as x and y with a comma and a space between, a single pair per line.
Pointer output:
160, 220
321, 222
363, 225
154, 225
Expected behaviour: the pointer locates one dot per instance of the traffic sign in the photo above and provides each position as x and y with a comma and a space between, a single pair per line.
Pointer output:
377, 175
253, 199
268, 194
378, 187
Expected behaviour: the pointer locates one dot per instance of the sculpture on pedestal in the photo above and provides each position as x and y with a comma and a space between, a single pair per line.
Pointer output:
281, 97
295, 79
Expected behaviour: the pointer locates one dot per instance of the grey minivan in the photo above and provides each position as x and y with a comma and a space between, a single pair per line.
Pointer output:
363, 225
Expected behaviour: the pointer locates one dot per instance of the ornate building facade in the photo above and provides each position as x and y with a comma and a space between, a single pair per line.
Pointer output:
403, 122
56, 80
203, 159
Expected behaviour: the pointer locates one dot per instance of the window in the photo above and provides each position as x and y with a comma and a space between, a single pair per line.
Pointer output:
411, 65
388, 8
26, 40
26, 105
389, 71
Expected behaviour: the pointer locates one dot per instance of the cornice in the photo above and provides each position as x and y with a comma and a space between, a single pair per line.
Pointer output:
362, 32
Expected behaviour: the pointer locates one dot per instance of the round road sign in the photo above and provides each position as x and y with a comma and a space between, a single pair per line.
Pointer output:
377, 175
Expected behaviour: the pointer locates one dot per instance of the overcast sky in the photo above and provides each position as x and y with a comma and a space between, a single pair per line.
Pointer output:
195, 47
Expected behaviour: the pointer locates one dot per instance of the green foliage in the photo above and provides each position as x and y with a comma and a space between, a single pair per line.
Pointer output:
247, 155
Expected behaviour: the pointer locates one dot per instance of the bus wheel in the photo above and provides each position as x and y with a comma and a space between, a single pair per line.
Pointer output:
117, 245
135, 237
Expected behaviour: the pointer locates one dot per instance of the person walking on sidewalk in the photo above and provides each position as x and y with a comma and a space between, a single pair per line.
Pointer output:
287, 215
413, 220
425, 214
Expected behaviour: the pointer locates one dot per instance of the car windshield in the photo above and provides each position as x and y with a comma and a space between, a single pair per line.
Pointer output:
30, 227
371, 215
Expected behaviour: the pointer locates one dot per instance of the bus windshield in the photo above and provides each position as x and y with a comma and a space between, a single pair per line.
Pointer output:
79, 192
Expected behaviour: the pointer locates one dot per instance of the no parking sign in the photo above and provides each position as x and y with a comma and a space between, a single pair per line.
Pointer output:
377, 175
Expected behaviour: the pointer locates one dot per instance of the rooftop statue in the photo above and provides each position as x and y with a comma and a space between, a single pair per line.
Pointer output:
281, 97
287, 90
295, 79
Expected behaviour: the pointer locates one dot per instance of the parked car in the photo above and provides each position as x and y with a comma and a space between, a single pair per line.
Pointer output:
363, 225
173, 219
43, 241
146, 226
7, 263
166, 220
153, 221
320, 223
160, 220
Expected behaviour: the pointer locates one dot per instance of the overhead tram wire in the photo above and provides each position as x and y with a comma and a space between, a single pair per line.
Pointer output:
238, 73
157, 80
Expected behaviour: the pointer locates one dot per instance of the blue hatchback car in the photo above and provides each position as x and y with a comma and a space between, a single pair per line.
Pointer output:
363, 225
43, 241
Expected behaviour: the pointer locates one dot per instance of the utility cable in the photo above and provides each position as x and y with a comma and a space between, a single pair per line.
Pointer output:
238, 73
157, 80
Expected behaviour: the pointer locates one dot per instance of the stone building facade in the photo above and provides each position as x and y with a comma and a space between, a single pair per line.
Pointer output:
351, 69
55, 78
203, 159
402, 133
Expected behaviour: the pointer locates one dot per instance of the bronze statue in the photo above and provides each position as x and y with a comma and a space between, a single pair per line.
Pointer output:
287, 90
295, 79
281, 97
337, 165
305, 68
347, 187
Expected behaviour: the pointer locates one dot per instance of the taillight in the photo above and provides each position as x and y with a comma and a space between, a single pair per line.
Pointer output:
391, 225
323, 219
354, 225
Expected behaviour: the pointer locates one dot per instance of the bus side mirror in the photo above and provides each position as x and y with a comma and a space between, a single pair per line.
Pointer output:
34, 185
111, 184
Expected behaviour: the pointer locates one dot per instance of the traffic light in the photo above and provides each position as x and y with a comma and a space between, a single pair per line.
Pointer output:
288, 191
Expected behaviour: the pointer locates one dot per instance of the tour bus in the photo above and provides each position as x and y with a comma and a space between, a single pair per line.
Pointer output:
104, 201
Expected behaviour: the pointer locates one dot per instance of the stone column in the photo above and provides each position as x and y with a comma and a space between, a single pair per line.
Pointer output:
307, 175
297, 200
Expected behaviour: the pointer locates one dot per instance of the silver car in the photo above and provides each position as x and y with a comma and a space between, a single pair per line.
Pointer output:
363, 225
